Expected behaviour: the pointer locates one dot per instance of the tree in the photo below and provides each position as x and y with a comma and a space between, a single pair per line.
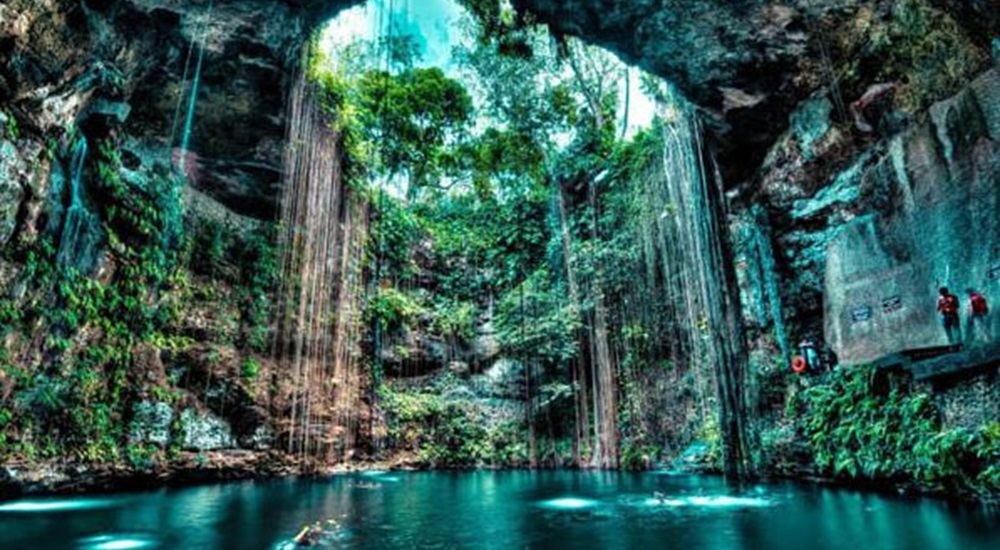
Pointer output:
414, 119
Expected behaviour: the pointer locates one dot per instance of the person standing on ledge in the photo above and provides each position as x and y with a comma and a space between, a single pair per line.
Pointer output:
978, 327
947, 307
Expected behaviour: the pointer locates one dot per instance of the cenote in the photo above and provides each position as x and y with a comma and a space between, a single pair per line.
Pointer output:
521, 256
498, 510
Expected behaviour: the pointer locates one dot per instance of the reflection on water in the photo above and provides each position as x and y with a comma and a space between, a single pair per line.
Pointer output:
568, 503
118, 542
497, 510
54, 505
717, 501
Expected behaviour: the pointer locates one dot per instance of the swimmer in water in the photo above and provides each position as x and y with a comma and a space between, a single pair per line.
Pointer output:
662, 498
309, 535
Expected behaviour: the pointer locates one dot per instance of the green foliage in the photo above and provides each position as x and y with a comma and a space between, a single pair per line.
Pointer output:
536, 319
637, 457
259, 272
79, 396
10, 130
210, 242
10, 316
393, 308
450, 434
453, 319
6, 416
478, 227
412, 118
141, 457
711, 435
484, 247
250, 369
246, 262
395, 235
500, 25
858, 429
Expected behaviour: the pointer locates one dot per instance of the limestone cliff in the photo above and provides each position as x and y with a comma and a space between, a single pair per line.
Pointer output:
66, 62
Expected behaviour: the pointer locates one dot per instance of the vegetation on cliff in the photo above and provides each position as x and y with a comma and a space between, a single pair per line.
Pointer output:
539, 284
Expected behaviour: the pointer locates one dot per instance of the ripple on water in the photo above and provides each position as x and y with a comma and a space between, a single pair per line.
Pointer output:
380, 475
568, 503
712, 501
123, 541
43, 506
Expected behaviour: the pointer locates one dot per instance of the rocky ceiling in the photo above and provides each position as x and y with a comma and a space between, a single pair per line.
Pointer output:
747, 63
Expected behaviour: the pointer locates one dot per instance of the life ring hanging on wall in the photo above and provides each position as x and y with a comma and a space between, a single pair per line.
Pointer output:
799, 364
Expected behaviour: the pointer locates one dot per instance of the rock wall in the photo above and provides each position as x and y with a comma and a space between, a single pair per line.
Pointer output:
66, 63
934, 197
757, 61
859, 209
968, 403
866, 225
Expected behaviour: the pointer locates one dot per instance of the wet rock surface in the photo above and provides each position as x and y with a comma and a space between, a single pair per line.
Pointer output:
151, 423
205, 432
930, 221
69, 62
967, 403
59, 477
858, 223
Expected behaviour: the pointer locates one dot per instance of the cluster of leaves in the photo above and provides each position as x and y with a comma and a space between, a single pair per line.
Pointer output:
259, 273
395, 236
9, 128
450, 434
145, 229
483, 248
863, 429
248, 262
414, 117
502, 26
394, 308
453, 319
537, 320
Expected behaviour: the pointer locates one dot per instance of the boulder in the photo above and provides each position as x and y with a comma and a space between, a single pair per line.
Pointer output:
151, 423
204, 431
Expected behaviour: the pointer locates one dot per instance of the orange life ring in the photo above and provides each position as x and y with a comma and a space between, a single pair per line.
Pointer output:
799, 364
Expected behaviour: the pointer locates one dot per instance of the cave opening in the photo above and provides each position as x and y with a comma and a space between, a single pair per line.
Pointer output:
542, 248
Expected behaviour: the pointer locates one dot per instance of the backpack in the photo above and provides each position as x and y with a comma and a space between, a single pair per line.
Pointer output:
949, 304
978, 304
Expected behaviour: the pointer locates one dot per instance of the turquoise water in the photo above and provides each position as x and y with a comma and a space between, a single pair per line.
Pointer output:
498, 510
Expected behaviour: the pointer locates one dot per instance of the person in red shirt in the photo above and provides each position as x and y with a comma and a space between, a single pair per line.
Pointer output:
947, 307
978, 326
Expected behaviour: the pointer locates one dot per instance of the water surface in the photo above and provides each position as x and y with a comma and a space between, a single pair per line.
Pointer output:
498, 510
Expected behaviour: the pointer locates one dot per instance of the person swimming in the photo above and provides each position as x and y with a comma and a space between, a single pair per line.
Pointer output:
316, 534
310, 535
